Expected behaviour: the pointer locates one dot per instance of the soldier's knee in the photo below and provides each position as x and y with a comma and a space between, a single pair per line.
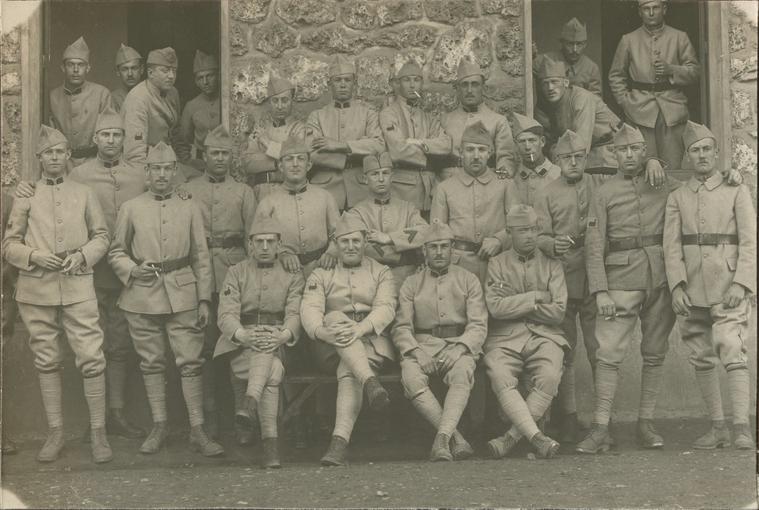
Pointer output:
191, 368
277, 373
548, 381
462, 372
47, 366
93, 367
414, 382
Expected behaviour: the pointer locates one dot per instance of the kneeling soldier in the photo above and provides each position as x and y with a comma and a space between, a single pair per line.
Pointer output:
159, 253
258, 313
527, 298
54, 238
439, 331
710, 255
346, 309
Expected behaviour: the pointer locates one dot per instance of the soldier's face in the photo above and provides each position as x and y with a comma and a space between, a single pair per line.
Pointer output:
652, 14
410, 87
351, 247
342, 87
53, 159
217, 160
554, 88
264, 247
530, 146
160, 176
75, 71
703, 156
207, 82
470, 90
572, 164
109, 142
130, 73
281, 105
630, 156
294, 167
162, 77
474, 157
572, 50
379, 181
437, 254
523, 238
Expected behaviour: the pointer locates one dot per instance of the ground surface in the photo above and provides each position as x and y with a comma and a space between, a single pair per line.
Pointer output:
390, 475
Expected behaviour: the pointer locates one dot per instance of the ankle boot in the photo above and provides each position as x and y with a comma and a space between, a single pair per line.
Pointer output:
499, 447
336, 453
647, 435
546, 447
271, 453
596, 440
101, 450
717, 437
118, 425
203, 444
51, 450
742, 435
156, 438
376, 395
460, 447
440, 449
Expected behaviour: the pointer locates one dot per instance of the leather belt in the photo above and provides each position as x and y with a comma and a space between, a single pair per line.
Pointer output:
630, 243
85, 152
709, 239
167, 266
471, 246
659, 86
310, 256
443, 331
258, 317
271, 177
232, 241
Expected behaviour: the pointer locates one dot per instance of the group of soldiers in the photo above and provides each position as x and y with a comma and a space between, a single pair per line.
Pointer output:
361, 240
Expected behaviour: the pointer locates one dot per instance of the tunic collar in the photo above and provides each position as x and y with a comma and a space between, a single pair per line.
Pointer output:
351, 266
265, 265
216, 180
525, 258
467, 179
295, 191
109, 164
342, 104
471, 109
572, 182
73, 92
437, 274
710, 183
161, 198
382, 201
652, 33
52, 181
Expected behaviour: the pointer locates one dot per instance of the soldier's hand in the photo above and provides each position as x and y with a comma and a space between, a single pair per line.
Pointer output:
681, 301
328, 144
655, 175
415, 141
490, 248
734, 177
734, 295
204, 311
561, 245
351, 332
327, 261
450, 355
605, 304
24, 189
144, 272
426, 362
375, 236
543, 296
72, 263
45, 259
662, 68
279, 338
245, 337
498, 289
327, 334
290, 262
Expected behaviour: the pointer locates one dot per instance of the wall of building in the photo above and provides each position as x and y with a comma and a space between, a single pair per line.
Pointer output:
10, 92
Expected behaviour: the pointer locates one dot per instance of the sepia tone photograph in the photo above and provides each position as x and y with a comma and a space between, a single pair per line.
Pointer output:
378, 253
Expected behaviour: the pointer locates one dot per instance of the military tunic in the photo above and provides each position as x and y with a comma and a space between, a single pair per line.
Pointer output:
75, 112
261, 162
200, 115
150, 116
529, 183
117, 97
583, 73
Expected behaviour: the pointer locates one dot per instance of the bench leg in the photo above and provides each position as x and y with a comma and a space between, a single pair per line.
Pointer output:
294, 406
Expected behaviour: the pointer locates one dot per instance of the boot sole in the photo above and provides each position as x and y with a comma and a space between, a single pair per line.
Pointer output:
48, 460
331, 463
604, 448
462, 454
725, 444
156, 450
494, 452
199, 449
102, 460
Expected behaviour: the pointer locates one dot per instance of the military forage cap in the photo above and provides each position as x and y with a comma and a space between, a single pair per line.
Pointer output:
349, 225
574, 31
523, 123
341, 66
628, 135
219, 138
161, 153
549, 68
293, 145
109, 119
278, 85
265, 225
569, 143
410, 68
204, 62
49, 137
126, 54
521, 215
641, 3
77, 49
468, 68
437, 232
695, 133
377, 161
476, 133
163, 57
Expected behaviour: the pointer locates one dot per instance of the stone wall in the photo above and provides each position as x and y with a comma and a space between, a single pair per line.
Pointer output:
10, 151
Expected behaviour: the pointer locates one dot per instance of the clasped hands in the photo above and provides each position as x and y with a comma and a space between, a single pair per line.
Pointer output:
262, 338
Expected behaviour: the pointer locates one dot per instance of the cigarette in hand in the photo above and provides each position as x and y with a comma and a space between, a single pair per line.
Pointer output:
611, 317
571, 241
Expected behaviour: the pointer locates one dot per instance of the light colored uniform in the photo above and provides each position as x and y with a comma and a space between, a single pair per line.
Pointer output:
529, 183
356, 124
660, 114
117, 97
150, 116
199, 117
261, 163
63, 216
584, 73
75, 113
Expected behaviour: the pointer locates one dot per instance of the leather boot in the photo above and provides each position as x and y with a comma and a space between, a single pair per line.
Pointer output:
546, 447
243, 430
647, 435
499, 447
717, 437
211, 424
156, 438
597, 440
118, 425
51, 450
336, 453
460, 447
743, 439
200, 442
440, 449
376, 395
611, 434
570, 429
271, 454
101, 450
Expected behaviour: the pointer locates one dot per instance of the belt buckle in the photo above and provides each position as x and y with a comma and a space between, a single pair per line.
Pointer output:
700, 238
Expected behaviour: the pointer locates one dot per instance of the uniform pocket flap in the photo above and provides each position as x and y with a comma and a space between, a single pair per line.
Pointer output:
618, 259
732, 264
185, 278
34, 273
401, 177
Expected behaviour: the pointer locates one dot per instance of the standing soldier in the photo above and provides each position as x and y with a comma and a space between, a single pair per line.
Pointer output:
581, 71
227, 209
265, 144
474, 204
651, 67
392, 225
340, 135
258, 313
470, 86
527, 297
54, 238
9, 309
710, 255
159, 253
202, 113
75, 105
129, 69
346, 310
535, 170
413, 136
441, 325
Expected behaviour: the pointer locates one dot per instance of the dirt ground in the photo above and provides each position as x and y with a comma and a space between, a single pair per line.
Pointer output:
391, 474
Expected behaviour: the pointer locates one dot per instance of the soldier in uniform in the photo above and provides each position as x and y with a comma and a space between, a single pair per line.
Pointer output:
54, 238
75, 105
202, 113
439, 331
227, 209
535, 170
340, 135
413, 137
159, 253
526, 295
581, 70
470, 86
265, 143
710, 257
392, 224
259, 313
9, 309
651, 67
474, 203
346, 310
129, 69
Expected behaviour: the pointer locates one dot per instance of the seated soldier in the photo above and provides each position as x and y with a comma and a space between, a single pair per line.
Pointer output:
346, 310
258, 313
439, 331
527, 297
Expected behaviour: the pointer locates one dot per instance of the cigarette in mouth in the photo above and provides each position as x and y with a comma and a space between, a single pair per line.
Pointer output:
532, 158
417, 94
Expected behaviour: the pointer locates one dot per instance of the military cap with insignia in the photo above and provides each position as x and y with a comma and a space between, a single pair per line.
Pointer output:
293, 145
523, 123
695, 132
574, 31
219, 138
549, 68
628, 135
341, 66
161, 153
265, 225
521, 215
349, 225
163, 57
437, 231
77, 50
477, 133
126, 54
570, 142
377, 161
204, 62
278, 85
109, 119
49, 137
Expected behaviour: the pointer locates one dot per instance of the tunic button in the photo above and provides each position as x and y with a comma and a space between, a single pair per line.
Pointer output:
60, 220
265, 287
60, 239
302, 227
57, 203
117, 187
163, 205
